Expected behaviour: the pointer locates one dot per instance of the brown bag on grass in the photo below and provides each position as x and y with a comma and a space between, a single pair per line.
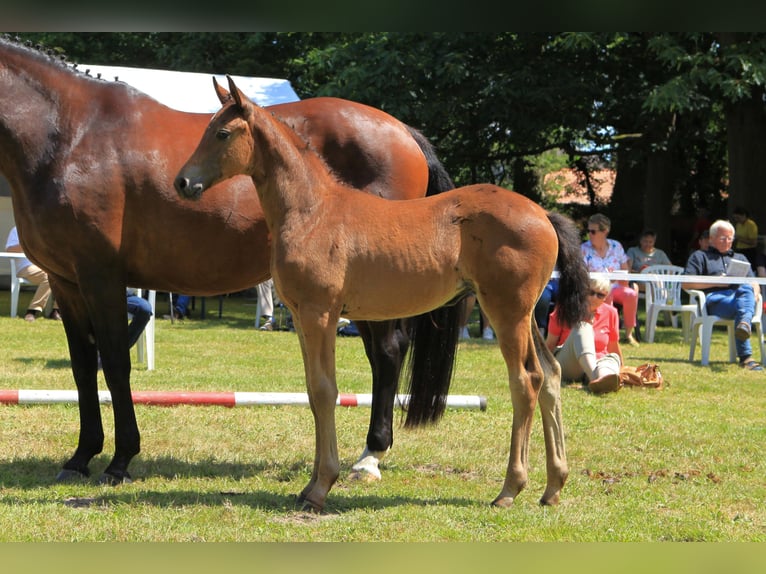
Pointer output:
646, 375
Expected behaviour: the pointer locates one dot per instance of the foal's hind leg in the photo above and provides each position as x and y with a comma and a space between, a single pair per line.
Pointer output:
553, 425
516, 346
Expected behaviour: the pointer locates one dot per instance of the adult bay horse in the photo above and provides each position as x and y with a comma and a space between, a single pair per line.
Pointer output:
91, 163
336, 251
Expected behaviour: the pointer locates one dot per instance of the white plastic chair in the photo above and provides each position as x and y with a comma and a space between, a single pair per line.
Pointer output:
16, 285
145, 343
703, 324
665, 295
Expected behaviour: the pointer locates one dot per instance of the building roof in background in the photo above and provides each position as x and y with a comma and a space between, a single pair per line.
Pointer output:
568, 186
193, 92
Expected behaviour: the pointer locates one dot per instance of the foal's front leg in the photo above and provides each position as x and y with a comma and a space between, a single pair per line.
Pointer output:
317, 338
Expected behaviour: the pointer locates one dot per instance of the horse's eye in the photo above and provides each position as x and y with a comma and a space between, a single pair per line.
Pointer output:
222, 135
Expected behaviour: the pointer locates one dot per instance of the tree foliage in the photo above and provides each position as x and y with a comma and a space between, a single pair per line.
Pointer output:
678, 115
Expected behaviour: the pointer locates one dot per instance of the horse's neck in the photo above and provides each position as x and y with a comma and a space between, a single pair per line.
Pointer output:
32, 120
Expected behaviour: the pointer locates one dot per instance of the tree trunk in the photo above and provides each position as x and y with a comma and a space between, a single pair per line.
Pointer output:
626, 207
658, 197
746, 141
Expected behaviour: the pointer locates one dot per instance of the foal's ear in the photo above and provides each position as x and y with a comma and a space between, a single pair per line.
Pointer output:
240, 98
221, 92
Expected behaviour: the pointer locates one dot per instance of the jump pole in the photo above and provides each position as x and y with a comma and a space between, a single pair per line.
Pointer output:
222, 399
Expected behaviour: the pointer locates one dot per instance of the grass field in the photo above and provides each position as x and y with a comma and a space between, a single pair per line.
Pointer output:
681, 464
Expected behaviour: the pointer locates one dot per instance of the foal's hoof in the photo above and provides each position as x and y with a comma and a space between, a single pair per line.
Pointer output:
69, 475
550, 501
307, 506
114, 479
503, 502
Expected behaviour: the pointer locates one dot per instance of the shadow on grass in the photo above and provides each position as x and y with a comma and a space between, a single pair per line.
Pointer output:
35, 473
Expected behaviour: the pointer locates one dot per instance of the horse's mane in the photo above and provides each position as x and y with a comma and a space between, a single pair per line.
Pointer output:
38, 51
56, 57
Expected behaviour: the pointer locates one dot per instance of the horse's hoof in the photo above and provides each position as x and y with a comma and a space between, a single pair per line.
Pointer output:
114, 480
503, 502
552, 501
69, 475
363, 475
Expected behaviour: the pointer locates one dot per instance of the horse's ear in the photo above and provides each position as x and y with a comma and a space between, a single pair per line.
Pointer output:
221, 92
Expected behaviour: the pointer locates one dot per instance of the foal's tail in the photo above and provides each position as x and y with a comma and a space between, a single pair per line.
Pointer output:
433, 335
572, 301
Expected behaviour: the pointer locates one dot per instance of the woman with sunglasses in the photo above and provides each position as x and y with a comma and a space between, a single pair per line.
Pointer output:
604, 254
591, 348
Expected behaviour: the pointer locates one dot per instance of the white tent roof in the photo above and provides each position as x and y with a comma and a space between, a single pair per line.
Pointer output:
193, 92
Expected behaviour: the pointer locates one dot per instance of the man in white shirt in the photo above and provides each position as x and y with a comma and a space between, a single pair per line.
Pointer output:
32, 273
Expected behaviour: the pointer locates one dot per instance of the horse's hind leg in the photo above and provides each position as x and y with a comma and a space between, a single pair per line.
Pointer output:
385, 343
553, 426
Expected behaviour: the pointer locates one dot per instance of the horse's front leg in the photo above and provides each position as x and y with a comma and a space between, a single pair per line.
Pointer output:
317, 337
524, 391
385, 343
105, 306
111, 329
82, 351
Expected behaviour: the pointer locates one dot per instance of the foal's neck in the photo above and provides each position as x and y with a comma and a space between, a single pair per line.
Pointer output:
290, 177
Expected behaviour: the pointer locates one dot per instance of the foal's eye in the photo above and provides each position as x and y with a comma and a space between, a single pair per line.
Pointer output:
222, 135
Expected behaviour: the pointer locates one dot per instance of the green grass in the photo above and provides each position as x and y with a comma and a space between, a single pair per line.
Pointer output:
684, 463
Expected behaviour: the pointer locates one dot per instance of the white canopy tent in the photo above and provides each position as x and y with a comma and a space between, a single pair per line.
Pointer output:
193, 92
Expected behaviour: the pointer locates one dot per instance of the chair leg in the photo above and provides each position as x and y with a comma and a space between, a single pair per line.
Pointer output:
694, 334
706, 336
651, 324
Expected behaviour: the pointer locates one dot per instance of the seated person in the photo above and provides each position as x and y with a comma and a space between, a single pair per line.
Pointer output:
543, 305
181, 306
604, 254
591, 348
32, 273
141, 312
645, 253
704, 240
468, 303
266, 301
745, 234
734, 301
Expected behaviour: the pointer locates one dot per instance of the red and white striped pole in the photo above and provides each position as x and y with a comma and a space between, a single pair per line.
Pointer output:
223, 399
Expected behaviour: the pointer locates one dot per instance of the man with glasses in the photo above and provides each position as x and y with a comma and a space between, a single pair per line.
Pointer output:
735, 302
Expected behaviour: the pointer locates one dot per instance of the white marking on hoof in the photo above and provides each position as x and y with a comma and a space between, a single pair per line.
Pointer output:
367, 468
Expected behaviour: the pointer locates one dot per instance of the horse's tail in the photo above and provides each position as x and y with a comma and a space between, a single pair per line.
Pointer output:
438, 178
433, 335
572, 301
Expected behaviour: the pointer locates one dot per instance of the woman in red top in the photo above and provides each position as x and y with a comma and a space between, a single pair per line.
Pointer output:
591, 348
